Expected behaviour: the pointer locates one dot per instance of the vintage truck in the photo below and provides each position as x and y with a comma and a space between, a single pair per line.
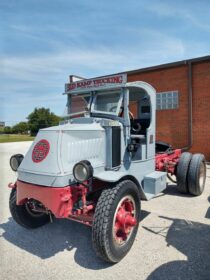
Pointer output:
99, 163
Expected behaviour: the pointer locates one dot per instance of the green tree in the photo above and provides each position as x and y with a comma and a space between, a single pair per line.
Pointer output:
7, 130
21, 127
41, 118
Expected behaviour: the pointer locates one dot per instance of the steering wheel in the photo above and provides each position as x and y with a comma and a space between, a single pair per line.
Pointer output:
130, 114
136, 128
113, 109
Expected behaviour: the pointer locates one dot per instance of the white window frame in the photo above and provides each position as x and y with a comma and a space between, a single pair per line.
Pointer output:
167, 100
104, 112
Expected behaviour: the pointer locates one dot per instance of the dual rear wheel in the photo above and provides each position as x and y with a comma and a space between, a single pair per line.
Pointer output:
191, 173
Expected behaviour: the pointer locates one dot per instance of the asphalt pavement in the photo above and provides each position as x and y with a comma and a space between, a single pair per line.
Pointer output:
173, 241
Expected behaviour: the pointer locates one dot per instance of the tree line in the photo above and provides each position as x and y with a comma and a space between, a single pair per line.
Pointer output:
39, 118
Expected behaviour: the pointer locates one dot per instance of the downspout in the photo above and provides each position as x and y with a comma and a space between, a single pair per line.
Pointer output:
190, 110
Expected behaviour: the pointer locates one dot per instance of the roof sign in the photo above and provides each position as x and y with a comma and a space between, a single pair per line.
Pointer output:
96, 83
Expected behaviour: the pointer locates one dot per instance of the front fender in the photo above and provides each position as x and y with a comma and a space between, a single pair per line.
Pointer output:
113, 176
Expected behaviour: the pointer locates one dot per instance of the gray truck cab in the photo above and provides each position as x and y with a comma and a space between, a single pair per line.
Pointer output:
129, 144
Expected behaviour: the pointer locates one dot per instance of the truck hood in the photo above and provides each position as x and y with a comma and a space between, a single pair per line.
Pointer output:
55, 151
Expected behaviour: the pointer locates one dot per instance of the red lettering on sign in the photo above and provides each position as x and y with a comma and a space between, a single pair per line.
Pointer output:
98, 82
71, 86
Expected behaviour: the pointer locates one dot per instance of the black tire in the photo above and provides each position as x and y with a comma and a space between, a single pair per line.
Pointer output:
103, 236
22, 215
197, 175
182, 171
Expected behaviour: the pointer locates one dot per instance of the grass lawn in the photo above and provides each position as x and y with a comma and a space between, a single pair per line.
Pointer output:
4, 138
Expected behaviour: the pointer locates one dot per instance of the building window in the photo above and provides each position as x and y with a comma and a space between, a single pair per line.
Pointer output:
167, 100
2, 124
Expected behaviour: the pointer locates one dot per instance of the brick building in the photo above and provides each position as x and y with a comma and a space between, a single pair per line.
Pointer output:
2, 124
183, 102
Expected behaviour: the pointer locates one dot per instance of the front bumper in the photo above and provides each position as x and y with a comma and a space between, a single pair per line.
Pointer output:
57, 200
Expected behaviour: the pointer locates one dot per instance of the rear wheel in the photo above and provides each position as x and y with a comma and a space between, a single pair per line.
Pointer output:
24, 214
182, 171
116, 221
197, 175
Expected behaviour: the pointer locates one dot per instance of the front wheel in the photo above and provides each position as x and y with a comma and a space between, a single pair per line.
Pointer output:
116, 221
24, 214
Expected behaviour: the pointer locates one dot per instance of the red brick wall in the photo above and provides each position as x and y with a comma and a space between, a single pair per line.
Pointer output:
172, 125
201, 108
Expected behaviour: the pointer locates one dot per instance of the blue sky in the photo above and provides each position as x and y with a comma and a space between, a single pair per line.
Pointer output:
42, 42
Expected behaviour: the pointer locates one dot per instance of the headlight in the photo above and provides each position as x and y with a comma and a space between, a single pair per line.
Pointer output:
15, 161
82, 171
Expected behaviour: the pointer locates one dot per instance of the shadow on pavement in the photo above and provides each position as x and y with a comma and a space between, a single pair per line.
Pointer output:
61, 235
143, 215
193, 240
172, 190
208, 211
51, 239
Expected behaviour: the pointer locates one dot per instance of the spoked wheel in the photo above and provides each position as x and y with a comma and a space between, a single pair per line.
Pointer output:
25, 215
124, 220
116, 221
197, 175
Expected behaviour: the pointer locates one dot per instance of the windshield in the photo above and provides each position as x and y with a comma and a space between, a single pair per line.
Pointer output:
78, 104
107, 102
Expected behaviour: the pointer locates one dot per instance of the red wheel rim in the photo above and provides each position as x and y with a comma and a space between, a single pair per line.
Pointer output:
124, 220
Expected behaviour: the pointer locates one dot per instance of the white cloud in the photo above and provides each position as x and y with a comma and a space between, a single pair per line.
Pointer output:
29, 81
53, 67
38, 55
194, 14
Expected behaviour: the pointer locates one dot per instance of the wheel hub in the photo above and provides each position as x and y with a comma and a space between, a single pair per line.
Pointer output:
124, 220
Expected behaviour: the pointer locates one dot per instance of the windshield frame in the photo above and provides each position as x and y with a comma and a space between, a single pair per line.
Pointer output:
97, 93
92, 103
68, 105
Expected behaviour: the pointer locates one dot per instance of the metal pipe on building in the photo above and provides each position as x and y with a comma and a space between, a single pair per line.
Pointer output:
190, 108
